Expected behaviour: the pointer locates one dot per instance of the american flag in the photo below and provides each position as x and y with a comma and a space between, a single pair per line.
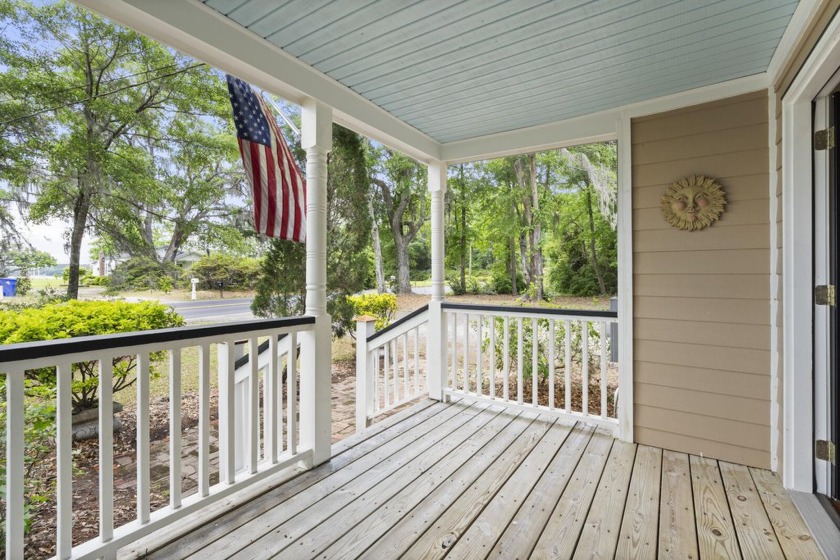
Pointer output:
277, 185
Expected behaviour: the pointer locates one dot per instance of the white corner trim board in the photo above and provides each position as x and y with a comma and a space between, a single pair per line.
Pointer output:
798, 336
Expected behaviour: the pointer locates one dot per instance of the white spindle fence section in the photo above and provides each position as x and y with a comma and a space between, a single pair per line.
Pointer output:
280, 444
390, 365
553, 360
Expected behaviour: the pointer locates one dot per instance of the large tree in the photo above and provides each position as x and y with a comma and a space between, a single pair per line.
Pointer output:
401, 188
97, 86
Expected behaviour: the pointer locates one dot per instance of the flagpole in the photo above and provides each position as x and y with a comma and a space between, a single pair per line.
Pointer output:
283, 116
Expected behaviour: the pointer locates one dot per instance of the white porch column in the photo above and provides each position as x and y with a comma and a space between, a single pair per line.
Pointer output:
316, 345
436, 360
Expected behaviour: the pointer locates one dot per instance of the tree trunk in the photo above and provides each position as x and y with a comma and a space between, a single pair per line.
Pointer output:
526, 236
593, 254
403, 276
514, 288
81, 209
536, 232
377, 249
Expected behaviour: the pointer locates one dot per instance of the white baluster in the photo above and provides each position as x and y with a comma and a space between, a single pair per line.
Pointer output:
567, 367
466, 353
478, 369
417, 361
15, 450
291, 397
492, 357
227, 432
253, 405
204, 420
144, 488
270, 397
520, 339
454, 382
506, 361
175, 428
106, 449
535, 338
386, 368
64, 460
406, 391
552, 343
584, 344
603, 369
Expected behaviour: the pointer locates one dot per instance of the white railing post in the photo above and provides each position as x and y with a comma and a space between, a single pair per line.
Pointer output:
15, 448
436, 371
316, 345
365, 394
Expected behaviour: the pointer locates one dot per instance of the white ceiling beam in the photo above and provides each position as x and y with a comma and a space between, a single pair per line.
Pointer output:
199, 31
804, 15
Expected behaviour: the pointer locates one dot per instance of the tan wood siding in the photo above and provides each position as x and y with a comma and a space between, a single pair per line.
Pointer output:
701, 299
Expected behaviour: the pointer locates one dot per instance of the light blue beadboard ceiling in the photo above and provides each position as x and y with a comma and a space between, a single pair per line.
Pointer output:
462, 69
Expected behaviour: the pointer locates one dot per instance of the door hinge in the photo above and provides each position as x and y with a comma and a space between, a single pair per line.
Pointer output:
824, 139
826, 451
824, 295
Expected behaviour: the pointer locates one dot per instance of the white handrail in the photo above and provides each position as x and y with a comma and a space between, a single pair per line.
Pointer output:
281, 450
388, 371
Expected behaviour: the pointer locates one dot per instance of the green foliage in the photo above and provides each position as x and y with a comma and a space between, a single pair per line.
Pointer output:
381, 306
236, 273
39, 435
75, 318
140, 273
24, 283
543, 340
281, 285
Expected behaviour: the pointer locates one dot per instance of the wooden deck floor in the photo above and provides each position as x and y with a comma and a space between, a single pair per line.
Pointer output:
470, 481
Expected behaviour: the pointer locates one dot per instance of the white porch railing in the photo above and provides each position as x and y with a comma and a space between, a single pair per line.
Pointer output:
389, 372
280, 443
552, 360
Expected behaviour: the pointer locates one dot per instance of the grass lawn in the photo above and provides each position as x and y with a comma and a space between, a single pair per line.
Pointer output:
42, 283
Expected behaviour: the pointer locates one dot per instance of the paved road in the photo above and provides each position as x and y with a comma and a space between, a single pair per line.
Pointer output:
222, 310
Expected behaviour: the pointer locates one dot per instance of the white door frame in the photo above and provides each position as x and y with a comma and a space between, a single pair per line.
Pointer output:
797, 226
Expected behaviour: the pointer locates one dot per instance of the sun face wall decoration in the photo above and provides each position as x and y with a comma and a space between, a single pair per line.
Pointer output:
693, 203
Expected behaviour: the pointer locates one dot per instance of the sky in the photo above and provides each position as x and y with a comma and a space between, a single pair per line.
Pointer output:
49, 237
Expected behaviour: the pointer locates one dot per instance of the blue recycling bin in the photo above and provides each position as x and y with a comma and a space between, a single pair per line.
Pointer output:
9, 286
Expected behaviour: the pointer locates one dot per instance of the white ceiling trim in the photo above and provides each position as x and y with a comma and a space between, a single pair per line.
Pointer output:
203, 33
803, 16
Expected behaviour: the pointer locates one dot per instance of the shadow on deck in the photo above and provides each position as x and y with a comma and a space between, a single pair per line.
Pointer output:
466, 480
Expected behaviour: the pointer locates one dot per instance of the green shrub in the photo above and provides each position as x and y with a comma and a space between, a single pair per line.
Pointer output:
381, 306
141, 273
236, 273
454, 282
75, 318
24, 284
98, 281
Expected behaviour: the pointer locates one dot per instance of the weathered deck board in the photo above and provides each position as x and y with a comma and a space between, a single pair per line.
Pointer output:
600, 532
439, 538
376, 462
480, 538
472, 481
560, 534
468, 460
715, 533
521, 535
677, 535
396, 469
794, 537
346, 452
755, 532
442, 461
637, 538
